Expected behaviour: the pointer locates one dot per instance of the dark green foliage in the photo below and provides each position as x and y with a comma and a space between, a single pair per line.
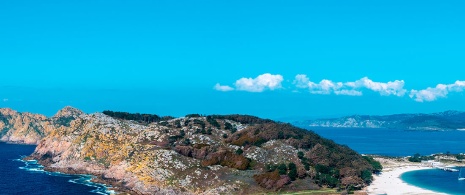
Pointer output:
143, 118
322, 169
187, 141
166, 118
239, 151
282, 169
199, 122
173, 139
244, 119
367, 176
304, 160
259, 142
326, 179
213, 122
327, 176
377, 167
225, 136
460, 156
292, 171
182, 133
281, 135
271, 168
193, 115
418, 158
178, 124
307, 166
209, 131
227, 126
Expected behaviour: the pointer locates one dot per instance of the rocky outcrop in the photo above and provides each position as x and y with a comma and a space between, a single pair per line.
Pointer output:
190, 155
25, 128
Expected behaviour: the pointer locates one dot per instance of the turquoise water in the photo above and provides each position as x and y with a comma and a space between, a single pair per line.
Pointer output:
436, 180
396, 142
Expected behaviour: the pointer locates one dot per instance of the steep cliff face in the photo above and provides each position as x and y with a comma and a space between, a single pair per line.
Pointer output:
24, 128
210, 155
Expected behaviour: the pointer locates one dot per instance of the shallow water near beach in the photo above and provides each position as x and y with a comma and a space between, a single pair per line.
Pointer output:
436, 180
28, 177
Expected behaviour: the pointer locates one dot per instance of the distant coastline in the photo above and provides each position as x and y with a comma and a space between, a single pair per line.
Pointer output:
448, 120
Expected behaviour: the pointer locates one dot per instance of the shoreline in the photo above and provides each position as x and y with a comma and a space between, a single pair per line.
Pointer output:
93, 180
90, 179
389, 182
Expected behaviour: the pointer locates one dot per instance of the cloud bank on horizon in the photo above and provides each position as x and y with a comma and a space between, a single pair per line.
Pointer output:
272, 82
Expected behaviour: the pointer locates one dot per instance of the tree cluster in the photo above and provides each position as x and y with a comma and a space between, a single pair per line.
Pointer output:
143, 118
418, 158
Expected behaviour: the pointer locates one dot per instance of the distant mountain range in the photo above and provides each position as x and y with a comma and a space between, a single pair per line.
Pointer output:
448, 120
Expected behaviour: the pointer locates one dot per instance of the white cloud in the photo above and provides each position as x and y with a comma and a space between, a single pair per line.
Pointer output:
349, 92
440, 91
260, 83
269, 81
350, 88
390, 88
301, 81
219, 87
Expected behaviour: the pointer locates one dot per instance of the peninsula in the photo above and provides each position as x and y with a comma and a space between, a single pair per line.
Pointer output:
196, 154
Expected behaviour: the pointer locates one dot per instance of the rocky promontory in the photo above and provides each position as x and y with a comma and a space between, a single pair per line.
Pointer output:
25, 128
231, 154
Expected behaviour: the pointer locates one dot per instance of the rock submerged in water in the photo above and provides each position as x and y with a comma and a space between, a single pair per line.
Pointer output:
190, 155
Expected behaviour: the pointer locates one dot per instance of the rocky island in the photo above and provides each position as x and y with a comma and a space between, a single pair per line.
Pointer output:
196, 154
448, 120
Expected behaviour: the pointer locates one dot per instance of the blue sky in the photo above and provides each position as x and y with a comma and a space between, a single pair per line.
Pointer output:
166, 57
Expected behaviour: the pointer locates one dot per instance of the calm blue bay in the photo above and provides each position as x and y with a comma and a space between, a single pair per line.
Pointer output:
436, 180
27, 177
395, 142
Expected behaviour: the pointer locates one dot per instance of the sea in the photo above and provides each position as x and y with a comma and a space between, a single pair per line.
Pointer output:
27, 177
398, 142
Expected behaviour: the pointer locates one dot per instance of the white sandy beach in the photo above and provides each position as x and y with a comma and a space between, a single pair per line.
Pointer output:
389, 182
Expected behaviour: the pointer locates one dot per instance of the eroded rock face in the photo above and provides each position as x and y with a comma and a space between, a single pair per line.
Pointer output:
23, 128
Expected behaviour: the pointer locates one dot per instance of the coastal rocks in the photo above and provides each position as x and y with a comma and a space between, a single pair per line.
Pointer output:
25, 128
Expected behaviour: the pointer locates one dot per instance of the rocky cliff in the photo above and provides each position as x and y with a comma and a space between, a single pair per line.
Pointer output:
23, 128
232, 154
